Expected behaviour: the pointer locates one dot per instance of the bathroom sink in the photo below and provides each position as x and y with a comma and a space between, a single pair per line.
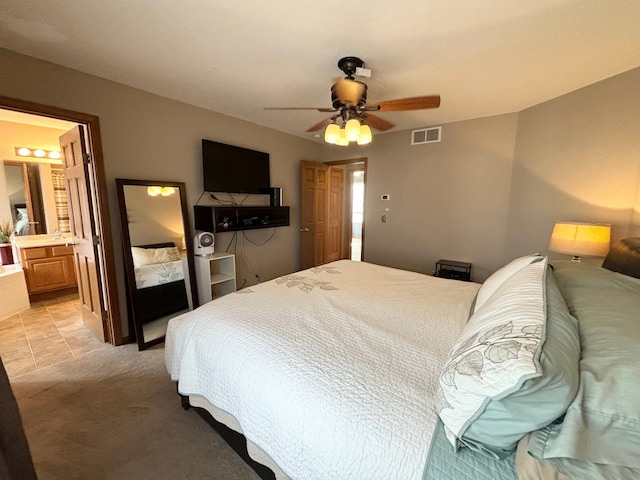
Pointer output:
29, 241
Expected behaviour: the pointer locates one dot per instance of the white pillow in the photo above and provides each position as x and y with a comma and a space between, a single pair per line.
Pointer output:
151, 256
492, 283
498, 350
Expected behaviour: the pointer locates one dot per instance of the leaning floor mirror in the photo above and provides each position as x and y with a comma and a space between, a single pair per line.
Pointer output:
158, 259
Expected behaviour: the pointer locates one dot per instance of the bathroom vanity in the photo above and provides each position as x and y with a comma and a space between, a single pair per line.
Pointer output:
48, 263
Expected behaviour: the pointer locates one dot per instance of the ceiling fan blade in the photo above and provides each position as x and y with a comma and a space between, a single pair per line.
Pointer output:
349, 91
377, 122
319, 109
321, 125
413, 103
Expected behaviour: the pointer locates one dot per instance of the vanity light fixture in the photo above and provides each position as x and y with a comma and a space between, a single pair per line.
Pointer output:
37, 153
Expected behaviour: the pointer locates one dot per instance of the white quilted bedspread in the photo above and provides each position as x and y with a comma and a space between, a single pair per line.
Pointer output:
331, 371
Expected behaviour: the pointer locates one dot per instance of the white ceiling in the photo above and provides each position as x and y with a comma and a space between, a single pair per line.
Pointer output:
37, 120
237, 56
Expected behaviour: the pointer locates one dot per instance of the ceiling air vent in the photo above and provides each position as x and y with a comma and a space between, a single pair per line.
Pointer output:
426, 135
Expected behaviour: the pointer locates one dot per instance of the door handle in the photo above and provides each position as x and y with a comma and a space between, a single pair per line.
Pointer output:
305, 229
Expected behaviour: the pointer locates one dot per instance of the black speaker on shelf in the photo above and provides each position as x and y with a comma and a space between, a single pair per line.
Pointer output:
275, 196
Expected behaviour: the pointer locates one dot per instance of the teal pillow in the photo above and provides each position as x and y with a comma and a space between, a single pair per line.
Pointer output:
600, 432
570, 274
541, 400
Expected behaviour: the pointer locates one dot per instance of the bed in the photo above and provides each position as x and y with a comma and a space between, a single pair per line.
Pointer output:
357, 371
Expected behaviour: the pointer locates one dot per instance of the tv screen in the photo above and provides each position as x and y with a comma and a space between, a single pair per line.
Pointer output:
234, 169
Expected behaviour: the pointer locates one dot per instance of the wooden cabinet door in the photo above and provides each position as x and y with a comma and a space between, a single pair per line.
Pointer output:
45, 274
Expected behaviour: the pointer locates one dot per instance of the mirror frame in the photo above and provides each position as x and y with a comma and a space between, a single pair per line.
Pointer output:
132, 295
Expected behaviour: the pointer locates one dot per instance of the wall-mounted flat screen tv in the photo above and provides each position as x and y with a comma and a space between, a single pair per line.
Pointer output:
231, 169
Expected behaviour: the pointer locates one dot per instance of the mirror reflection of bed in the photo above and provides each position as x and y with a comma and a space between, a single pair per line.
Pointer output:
158, 260
160, 286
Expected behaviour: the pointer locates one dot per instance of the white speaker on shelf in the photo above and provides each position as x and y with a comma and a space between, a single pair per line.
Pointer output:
203, 243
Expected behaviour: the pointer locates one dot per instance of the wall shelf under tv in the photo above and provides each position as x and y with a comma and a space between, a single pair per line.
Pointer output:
216, 219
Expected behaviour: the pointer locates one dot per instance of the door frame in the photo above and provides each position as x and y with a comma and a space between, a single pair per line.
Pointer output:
349, 161
113, 324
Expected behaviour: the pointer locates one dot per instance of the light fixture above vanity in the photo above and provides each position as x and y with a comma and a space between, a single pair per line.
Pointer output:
37, 153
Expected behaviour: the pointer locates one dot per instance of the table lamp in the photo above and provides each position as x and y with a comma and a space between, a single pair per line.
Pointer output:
575, 238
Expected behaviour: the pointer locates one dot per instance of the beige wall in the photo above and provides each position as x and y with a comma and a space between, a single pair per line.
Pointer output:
577, 158
489, 191
493, 188
153, 219
448, 199
20, 135
150, 137
634, 228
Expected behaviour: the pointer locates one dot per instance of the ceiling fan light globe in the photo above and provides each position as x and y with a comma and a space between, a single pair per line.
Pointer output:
332, 133
352, 130
154, 191
365, 135
342, 139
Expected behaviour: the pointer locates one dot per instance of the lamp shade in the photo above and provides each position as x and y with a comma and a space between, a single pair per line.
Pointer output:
365, 135
332, 133
154, 190
342, 139
588, 239
352, 130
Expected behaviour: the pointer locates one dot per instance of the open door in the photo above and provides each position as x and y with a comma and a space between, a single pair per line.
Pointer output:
314, 184
335, 214
78, 179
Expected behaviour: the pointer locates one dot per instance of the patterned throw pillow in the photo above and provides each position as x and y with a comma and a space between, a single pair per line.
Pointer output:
498, 350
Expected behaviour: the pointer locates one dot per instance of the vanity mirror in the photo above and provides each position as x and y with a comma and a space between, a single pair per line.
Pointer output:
36, 195
158, 259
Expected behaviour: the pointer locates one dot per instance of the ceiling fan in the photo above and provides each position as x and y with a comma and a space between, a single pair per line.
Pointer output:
351, 110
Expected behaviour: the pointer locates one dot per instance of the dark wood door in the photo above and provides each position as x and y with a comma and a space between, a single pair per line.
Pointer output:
78, 179
314, 184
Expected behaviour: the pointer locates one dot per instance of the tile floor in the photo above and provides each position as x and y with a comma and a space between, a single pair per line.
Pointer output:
49, 332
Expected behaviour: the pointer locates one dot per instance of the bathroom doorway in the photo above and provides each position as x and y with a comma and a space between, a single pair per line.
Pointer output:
107, 300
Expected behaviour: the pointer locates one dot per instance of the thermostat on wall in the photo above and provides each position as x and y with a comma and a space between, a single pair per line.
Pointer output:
385, 196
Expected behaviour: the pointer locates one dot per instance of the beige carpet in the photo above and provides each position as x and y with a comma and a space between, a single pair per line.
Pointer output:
113, 413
